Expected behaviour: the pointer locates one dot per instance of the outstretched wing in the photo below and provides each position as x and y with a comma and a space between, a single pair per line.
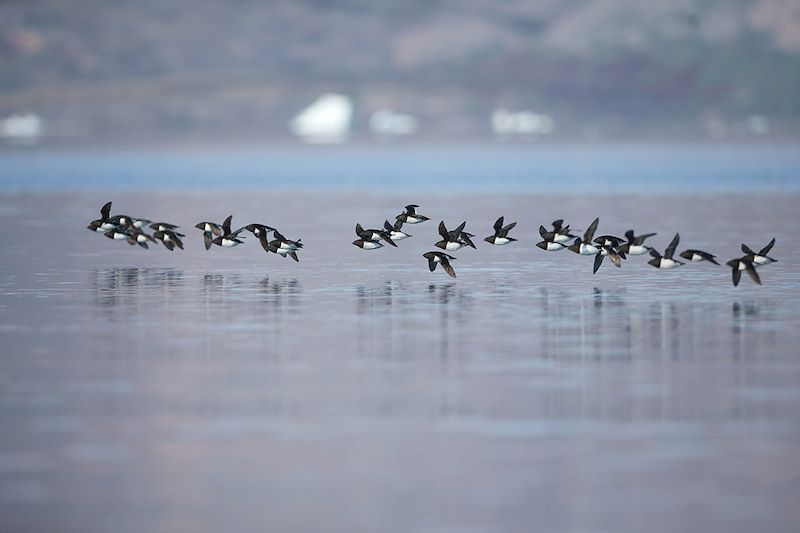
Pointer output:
459, 229
640, 239
386, 237
746, 249
447, 267
387, 226
557, 224
654, 253
630, 236
359, 231
431, 265
411, 209
443, 231
765, 250
105, 212
589, 235
751, 269
543, 232
467, 240
207, 239
668, 253
226, 226
598, 260
506, 229
737, 275
498, 225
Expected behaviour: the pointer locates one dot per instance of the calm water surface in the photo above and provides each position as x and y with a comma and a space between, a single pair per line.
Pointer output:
356, 391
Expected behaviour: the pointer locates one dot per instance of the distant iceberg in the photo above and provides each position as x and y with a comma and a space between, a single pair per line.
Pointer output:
521, 123
386, 123
326, 120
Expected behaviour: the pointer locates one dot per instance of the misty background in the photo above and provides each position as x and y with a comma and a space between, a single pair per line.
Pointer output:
93, 72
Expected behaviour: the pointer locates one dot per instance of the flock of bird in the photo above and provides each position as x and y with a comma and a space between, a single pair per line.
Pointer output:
617, 249
132, 230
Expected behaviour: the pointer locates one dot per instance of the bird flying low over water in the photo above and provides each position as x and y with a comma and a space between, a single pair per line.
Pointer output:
395, 230
454, 240
374, 235
743, 263
666, 261
560, 233
137, 236
284, 247
440, 258
229, 238
166, 226
612, 253
209, 229
585, 246
103, 224
609, 240
760, 258
260, 231
410, 215
169, 239
368, 245
635, 244
695, 256
500, 236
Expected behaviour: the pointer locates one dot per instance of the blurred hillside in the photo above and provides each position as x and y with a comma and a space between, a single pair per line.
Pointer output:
99, 71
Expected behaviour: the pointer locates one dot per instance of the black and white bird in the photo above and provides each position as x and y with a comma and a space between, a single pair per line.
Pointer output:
609, 240
585, 246
454, 240
166, 226
137, 236
635, 244
118, 233
368, 245
395, 230
103, 224
560, 233
229, 238
410, 215
743, 263
259, 229
440, 258
695, 256
760, 258
612, 253
666, 261
210, 230
500, 236
285, 247
169, 239
374, 235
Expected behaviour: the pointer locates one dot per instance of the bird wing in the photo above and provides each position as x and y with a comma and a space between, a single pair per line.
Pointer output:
226, 226
640, 239
765, 250
448, 267
751, 269
498, 225
443, 231
668, 253
587, 237
598, 260
737, 275
105, 212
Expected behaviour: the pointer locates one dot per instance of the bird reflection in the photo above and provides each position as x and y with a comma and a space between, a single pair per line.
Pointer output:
124, 285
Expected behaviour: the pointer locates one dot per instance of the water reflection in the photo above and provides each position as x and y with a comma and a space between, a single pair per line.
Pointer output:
117, 286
